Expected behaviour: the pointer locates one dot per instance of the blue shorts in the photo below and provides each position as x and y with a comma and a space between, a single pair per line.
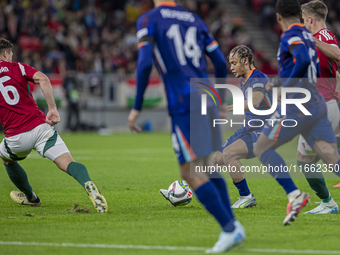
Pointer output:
311, 128
249, 137
194, 136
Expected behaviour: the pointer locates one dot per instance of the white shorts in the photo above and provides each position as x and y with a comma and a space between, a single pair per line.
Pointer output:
43, 138
333, 115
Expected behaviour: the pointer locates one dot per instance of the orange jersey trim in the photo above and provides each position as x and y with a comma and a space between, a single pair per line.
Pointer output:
296, 24
167, 3
297, 42
276, 136
141, 44
187, 146
213, 43
250, 73
265, 99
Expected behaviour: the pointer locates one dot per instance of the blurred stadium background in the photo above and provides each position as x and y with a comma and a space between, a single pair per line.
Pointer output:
93, 43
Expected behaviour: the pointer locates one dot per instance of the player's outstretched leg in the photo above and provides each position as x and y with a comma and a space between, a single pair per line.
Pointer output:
307, 162
270, 158
230, 157
232, 233
297, 199
317, 182
221, 186
18, 176
79, 172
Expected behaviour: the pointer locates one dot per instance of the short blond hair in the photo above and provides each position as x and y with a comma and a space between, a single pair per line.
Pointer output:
315, 8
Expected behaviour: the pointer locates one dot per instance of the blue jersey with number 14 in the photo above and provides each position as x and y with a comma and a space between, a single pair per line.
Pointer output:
180, 41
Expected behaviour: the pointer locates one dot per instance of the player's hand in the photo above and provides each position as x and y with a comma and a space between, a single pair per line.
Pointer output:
223, 112
132, 121
230, 108
52, 117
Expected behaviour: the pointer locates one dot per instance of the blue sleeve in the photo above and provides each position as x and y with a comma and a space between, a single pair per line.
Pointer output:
145, 35
220, 64
217, 57
219, 61
144, 67
300, 53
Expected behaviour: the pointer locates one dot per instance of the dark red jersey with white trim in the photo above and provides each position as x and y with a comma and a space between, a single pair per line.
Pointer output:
18, 110
327, 81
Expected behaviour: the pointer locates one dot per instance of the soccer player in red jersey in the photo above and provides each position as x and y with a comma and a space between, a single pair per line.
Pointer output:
27, 128
314, 15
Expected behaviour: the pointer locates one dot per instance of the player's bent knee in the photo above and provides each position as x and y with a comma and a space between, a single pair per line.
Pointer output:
7, 162
257, 151
63, 161
304, 158
228, 155
217, 158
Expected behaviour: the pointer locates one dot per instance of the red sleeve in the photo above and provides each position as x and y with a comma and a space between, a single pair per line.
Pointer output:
27, 71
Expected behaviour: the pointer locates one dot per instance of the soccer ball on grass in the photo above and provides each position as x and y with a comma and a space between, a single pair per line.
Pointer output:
179, 193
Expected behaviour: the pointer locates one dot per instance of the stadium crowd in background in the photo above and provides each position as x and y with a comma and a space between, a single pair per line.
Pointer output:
99, 36
265, 10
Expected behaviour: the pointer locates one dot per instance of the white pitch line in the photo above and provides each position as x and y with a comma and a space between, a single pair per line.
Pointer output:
170, 248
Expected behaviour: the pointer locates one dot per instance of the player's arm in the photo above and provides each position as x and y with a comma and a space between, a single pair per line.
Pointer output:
300, 53
337, 88
331, 51
213, 51
52, 116
144, 67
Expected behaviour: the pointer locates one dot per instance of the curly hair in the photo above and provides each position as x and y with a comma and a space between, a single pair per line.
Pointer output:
243, 52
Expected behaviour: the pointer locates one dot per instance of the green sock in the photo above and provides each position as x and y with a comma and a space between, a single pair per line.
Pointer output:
316, 181
19, 178
79, 172
338, 140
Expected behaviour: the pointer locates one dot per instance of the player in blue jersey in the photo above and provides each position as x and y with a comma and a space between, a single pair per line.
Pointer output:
177, 40
240, 145
298, 68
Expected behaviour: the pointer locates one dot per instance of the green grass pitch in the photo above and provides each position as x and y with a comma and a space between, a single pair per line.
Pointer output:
129, 169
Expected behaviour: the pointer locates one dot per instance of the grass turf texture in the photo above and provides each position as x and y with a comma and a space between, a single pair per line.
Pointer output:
129, 170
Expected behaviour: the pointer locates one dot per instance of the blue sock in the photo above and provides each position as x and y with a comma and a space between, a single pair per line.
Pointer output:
271, 158
208, 195
221, 186
242, 187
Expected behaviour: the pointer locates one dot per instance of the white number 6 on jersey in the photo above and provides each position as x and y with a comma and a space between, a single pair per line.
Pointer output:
4, 91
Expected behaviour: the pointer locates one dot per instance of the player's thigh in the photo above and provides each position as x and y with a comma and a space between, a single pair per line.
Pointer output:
328, 152
237, 150
49, 143
321, 130
17, 147
193, 135
278, 132
333, 113
305, 153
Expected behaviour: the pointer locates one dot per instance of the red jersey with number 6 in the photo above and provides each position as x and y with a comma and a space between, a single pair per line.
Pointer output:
18, 111
327, 82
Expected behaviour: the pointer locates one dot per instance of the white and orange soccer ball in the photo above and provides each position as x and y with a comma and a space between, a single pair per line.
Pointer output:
179, 193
